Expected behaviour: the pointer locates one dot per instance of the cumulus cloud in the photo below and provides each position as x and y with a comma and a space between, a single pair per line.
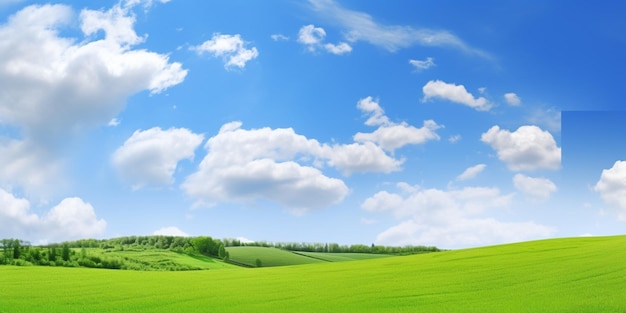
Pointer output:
360, 26
149, 157
285, 167
536, 188
471, 172
360, 158
389, 135
246, 165
340, 48
449, 218
71, 219
527, 148
52, 87
436, 89
312, 37
170, 231
231, 48
612, 187
512, 99
423, 64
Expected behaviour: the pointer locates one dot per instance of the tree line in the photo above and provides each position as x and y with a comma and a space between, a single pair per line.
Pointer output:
77, 253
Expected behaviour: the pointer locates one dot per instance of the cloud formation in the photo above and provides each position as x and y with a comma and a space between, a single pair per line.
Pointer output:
423, 64
149, 157
536, 188
436, 89
360, 26
612, 188
54, 87
448, 218
313, 37
526, 149
71, 219
471, 172
246, 165
231, 48
389, 135
512, 99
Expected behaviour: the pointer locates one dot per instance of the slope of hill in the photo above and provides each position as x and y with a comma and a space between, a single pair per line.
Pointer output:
248, 256
558, 275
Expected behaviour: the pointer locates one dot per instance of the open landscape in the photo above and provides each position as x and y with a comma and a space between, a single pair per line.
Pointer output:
312, 156
555, 275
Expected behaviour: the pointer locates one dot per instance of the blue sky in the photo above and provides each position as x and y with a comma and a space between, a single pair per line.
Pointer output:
453, 124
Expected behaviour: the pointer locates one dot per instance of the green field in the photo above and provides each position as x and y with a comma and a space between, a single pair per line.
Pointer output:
247, 255
342, 257
155, 259
558, 275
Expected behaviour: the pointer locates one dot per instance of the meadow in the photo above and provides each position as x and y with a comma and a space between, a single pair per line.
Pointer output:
556, 275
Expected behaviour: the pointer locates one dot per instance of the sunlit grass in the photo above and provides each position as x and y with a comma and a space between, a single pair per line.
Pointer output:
560, 275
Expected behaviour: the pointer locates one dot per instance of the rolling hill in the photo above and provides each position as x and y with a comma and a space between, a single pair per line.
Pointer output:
557, 275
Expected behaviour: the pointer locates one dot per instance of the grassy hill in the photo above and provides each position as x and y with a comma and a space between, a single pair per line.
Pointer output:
157, 259
248, 255
558, 275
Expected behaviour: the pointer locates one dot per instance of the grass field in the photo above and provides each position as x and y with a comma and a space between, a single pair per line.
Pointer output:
558, 275
342, 257
155, 259
268, 256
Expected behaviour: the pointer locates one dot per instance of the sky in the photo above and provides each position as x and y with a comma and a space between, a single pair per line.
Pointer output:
451, 123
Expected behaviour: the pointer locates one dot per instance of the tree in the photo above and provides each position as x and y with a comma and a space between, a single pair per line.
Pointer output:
259, 263
65, 253
16, 249
221, 252
227, 257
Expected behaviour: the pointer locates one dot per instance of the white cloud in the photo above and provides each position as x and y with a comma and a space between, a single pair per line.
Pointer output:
360, 26
246, 165
536, 188
30, 166
71, 219
149, 157
279, 37
389, 135
360, 158
612, 187
512, 99
454, 93
423, 64
396, 136
377, 114
312, 37
340, 48
527, 148
449, 218
52, 87
170, 231
471, 172
229, 47
284, 167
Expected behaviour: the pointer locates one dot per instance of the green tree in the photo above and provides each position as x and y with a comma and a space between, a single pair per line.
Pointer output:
65, 253
221, 252
259, 263
16, 249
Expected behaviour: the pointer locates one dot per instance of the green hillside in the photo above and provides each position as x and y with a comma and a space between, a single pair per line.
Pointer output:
268, 256
558, 275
